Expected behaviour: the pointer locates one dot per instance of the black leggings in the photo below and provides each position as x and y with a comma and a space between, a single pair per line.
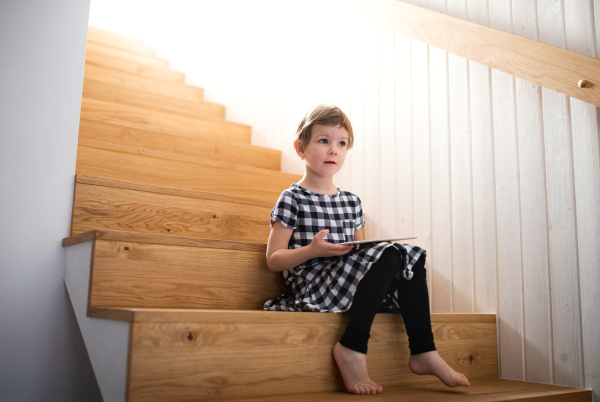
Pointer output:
413, 299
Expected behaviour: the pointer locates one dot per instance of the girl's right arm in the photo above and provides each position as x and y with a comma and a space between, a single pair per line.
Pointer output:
280, 258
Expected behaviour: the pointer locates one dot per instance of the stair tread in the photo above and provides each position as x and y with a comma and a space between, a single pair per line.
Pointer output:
178, 142
114, 92
154, 188
138, 207
206, 125
119, 41
117, 77
185, 158
131, 67
485, 390
149, 60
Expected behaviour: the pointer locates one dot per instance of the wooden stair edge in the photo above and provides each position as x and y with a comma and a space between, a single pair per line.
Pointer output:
186, 158
488, 390
158, 189
172, 240
261, 316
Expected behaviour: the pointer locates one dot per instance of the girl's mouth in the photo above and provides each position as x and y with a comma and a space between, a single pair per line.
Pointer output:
330, 162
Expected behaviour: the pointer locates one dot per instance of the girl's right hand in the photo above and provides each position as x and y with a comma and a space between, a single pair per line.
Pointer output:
321, 248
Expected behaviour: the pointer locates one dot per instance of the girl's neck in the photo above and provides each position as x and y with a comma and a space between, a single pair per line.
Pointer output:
324, 186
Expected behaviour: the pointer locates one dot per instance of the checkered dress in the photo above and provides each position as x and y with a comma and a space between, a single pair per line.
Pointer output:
328, 284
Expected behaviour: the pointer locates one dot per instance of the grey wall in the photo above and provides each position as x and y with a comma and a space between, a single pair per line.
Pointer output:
42, 51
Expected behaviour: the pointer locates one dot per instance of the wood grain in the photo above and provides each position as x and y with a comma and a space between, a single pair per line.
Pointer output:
118, 208
231, 359
122, 79
495, 390
130, 274
147, 60
119, 94
172, 141
196, 174
208, 127
130, 67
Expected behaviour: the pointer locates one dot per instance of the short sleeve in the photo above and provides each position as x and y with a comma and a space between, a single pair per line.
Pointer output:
286, 210
359, 221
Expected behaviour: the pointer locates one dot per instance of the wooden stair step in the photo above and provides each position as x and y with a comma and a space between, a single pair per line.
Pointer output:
118, 41
143, 270
100, 89
211, 127
179, 143
170, 89
131, 67
139, 207
152, 61
489, 390
186, 354
154, 167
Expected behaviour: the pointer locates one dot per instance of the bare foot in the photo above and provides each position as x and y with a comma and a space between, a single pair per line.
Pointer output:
433, 364
353, 366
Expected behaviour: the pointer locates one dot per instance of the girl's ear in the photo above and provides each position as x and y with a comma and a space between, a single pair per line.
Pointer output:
299, 148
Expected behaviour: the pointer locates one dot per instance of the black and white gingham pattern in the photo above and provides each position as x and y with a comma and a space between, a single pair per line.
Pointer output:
328, 284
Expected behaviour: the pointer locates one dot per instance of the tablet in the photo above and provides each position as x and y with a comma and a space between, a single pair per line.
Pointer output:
375, 241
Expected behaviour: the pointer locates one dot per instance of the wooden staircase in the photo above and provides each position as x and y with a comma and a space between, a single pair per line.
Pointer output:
166, 260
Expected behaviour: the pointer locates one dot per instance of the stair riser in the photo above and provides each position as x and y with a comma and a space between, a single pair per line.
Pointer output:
145, 169
130, 67
97, 207
235, 360
172, 90
216, 128
201, 147
129, 274
118, 94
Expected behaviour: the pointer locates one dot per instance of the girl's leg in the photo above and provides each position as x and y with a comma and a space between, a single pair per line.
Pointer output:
414, 304
350, 352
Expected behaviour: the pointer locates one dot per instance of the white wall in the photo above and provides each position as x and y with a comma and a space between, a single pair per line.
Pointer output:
499, 178
42, 49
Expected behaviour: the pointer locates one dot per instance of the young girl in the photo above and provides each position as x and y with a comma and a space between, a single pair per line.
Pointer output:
309, 221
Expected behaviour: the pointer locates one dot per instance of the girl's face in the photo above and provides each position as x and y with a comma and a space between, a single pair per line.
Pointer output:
325, 153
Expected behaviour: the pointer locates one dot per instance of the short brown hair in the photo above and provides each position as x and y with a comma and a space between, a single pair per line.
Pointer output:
326, 115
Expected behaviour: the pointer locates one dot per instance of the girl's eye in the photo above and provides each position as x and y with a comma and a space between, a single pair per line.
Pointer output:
342, 143
323, 141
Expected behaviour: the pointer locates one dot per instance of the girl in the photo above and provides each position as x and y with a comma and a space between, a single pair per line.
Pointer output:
309, 221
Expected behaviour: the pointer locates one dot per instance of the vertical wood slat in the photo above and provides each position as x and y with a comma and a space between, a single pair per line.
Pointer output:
387, 157
537, 330
579, 37
404, 141
421, 147
562, 242
484, 203
440, 254
372, 130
